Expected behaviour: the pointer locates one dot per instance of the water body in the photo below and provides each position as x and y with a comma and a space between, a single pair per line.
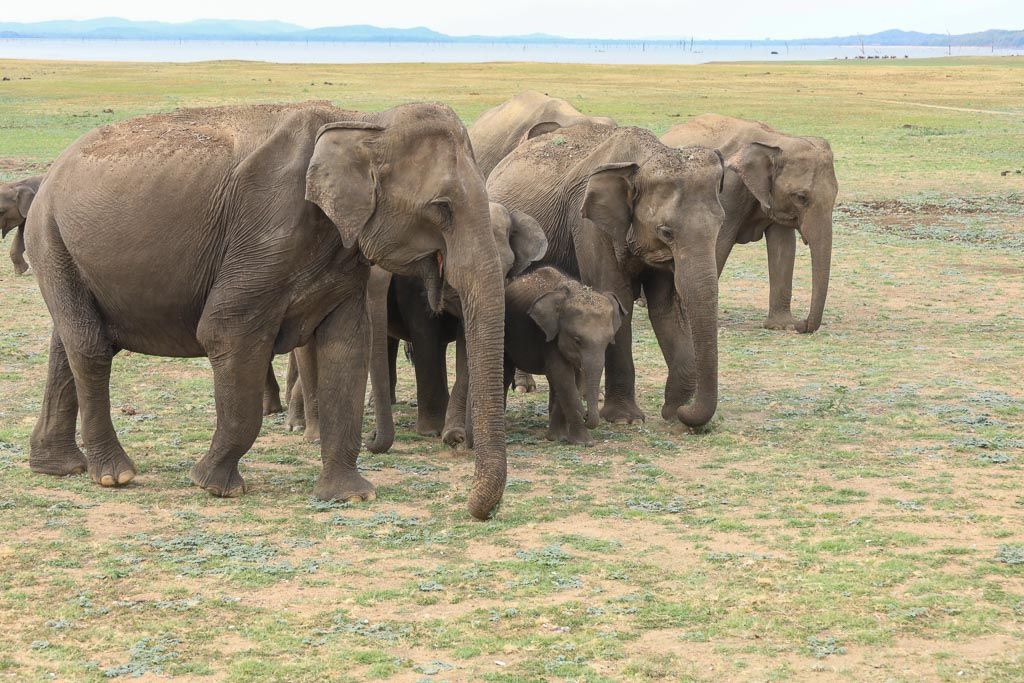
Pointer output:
349, 52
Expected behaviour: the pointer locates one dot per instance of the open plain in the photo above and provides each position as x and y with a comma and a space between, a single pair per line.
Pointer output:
854, 512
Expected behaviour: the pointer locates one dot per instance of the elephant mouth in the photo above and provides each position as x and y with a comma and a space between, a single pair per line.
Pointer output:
431, 270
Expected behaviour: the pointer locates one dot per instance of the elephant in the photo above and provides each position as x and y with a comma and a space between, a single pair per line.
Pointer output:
557, 326
239, 232
625, 213
776, 185
15, 200
500, 130
409, 313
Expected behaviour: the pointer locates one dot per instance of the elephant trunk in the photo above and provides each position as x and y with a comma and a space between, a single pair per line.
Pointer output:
697, 285
820, 241
592, 368
476, 275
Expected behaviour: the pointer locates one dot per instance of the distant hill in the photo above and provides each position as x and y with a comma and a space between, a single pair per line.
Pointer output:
115, 28
993, 38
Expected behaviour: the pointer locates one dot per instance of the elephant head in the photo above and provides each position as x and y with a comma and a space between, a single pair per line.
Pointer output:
15, 201
794, 181
519, 239
582, 322
667, 212
405, 188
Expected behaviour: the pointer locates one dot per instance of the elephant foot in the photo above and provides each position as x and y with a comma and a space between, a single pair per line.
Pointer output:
312, 432
20, 267
524, 382
579, 436
272, 405
780, 321
57, 461
350, 487
454, 437
622, 411
805, 327
111, 468
429, 426
220, 479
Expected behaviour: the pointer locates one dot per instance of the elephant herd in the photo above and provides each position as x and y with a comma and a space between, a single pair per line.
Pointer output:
238, 233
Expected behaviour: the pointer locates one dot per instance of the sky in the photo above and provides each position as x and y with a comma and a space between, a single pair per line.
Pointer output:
731, 19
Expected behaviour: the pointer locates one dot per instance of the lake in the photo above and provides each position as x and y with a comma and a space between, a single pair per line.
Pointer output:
595, 52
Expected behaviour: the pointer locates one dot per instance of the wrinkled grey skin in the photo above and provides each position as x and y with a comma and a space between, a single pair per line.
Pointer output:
240, 232
557, 326
15, 201
409, 313
500, 130
625, 214
776, 186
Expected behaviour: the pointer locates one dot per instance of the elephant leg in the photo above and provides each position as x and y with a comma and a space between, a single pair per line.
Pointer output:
238, 379
53, 449
524, 382
90, 362
296, 419
343, 356
455, 418
564, 402
271, 392
393, 368
431, 384
723, 246
383, 435
620, 374
306, 384
673, 335
18, 251
781, 242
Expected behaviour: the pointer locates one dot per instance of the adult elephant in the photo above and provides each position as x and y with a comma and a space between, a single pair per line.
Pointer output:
15, 201
776, 186
500, 130
402, 308
625, 213
239, 232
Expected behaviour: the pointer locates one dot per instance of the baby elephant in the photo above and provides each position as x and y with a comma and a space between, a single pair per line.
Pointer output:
15, 199
557, 326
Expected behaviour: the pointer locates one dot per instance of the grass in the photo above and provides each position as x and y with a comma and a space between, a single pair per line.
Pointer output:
853, 513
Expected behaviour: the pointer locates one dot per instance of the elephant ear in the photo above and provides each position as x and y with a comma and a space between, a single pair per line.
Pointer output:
341, 178
539, 129
757, 165
527, 240
546, 311
609, 199
25, 197
618, 311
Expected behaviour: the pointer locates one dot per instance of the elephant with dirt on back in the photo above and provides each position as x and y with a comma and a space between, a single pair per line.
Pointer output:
624, 213
15, 201
500, 130
776, 186
240, 232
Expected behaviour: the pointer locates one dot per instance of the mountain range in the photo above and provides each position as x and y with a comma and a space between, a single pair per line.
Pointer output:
113, 28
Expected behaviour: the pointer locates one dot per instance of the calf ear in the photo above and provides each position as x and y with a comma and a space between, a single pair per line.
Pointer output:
341, 177
610, 197
527, 240
757, 166
25, 197
546, 311
618, 311
539, 129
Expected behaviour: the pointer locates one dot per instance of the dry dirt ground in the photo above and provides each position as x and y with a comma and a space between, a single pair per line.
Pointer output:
853, 513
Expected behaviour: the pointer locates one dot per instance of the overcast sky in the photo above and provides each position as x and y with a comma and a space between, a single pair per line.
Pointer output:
574, 18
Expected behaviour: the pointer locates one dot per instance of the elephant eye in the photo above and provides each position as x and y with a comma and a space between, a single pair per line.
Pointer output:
665, 234
441, 208
801, 198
